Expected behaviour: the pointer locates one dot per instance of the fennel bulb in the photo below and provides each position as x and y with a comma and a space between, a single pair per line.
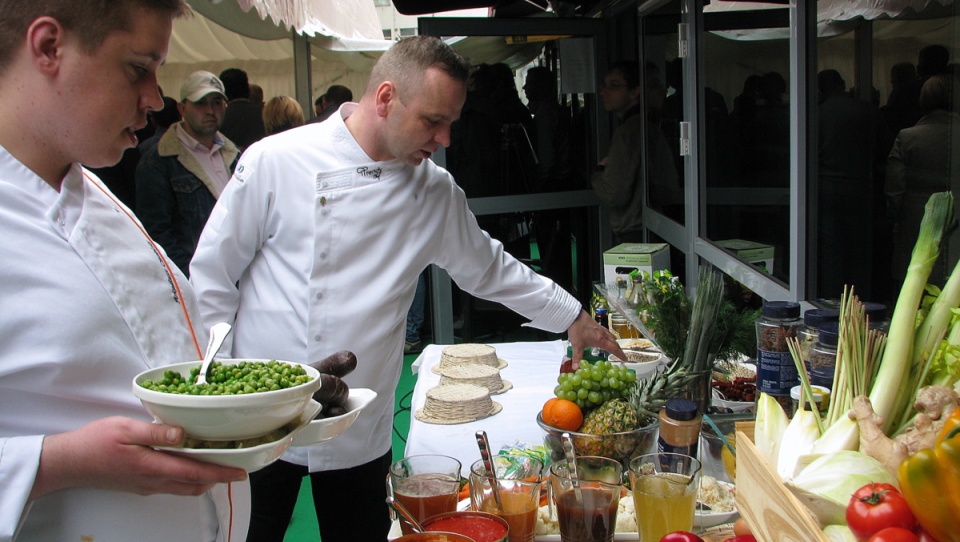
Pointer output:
798, 439
771, 423
826, 484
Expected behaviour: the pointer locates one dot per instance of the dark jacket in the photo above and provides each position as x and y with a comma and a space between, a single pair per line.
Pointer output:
175, 195
243, 123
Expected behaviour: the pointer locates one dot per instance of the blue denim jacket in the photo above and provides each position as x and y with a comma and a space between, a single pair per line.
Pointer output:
173, 201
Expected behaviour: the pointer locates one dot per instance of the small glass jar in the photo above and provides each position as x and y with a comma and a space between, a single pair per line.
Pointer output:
823, 355
810, 330
821, 395
776, 372
876, 314
622, 327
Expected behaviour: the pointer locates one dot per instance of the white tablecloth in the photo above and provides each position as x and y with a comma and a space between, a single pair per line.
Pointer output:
532, 368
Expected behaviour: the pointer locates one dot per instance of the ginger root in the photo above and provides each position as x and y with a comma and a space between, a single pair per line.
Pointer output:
873, 441
934, 404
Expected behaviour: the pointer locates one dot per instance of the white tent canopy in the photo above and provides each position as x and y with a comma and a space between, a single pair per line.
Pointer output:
243, 34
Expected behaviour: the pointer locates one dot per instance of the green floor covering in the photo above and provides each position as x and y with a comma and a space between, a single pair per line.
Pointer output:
303, 525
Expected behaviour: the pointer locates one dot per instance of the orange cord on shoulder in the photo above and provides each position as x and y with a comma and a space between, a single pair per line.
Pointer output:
166, 263
186, 315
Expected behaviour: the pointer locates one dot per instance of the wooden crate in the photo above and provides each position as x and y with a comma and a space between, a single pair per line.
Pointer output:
773, 513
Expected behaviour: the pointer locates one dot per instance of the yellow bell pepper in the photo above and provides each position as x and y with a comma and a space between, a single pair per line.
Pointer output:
930, 481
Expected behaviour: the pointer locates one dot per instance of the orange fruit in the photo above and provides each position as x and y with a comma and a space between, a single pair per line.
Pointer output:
562, 414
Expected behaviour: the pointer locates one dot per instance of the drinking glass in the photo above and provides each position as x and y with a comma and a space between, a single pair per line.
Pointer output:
665, 488
518, 483
587, 512
426, 485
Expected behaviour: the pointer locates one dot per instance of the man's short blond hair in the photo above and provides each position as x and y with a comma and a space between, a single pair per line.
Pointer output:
405, 62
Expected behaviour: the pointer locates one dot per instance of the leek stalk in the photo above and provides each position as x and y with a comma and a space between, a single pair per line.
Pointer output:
889, 389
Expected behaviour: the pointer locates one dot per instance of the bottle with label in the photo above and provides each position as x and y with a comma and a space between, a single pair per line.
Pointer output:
600, 313
810, 330
823, 355
679, 427
876, 314
776, 372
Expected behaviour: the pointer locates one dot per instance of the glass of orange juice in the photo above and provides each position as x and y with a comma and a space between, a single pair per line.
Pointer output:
665, 488
518, 485
426, 485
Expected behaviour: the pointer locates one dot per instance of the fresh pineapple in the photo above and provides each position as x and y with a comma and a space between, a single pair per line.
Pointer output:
614, 416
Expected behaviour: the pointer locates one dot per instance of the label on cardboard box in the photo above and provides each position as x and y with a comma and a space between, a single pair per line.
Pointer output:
620, 260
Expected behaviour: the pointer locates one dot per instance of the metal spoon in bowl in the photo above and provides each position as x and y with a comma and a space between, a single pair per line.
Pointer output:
218, 333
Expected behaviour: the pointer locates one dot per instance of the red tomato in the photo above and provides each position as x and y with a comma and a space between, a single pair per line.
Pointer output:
877, 506
681, 536
894, 534
742, 538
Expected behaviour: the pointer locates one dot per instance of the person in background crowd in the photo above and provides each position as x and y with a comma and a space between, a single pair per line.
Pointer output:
180, 178
317, 247
327, 104
919, 165
90, 301
243, 120
619, 181
932, 60
282, 113
161, 120
256, 95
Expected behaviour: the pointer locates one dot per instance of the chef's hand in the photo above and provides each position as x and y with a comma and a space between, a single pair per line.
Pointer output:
116, 454
585, 332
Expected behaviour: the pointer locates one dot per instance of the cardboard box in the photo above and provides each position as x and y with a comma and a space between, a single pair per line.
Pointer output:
758, 254
620, 260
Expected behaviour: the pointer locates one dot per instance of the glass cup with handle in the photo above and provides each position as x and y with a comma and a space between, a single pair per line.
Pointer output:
518, 484
426, 485
665, 488
587, 508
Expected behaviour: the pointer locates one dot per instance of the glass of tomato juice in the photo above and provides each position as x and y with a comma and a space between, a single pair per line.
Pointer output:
426, 485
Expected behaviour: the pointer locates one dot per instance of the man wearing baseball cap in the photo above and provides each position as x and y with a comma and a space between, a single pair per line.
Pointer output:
180, 179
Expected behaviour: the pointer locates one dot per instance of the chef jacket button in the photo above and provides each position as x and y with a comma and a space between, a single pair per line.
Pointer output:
316, 338
323, 200
323, 255
319, 295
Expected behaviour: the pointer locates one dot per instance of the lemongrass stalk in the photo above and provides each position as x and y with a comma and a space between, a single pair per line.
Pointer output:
897, 356
806, 394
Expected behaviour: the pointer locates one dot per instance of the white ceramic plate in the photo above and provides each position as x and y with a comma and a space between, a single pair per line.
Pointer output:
324, 429
705, 519
253, 458
307, 433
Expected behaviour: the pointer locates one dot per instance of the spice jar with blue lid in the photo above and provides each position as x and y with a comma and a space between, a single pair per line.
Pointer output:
776, 372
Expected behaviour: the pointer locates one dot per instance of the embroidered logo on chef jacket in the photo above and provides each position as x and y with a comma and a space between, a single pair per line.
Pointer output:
365, 171
242, 172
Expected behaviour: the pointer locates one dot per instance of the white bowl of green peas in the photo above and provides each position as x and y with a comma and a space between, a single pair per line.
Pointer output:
245, 398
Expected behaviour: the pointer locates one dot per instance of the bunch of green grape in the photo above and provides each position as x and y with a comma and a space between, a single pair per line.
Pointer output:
595, 383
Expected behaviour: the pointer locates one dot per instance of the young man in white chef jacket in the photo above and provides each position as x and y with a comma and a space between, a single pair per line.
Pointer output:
326, 228
89, 301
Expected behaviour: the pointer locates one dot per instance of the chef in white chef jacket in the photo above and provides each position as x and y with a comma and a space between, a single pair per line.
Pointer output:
316, 245
88, 300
